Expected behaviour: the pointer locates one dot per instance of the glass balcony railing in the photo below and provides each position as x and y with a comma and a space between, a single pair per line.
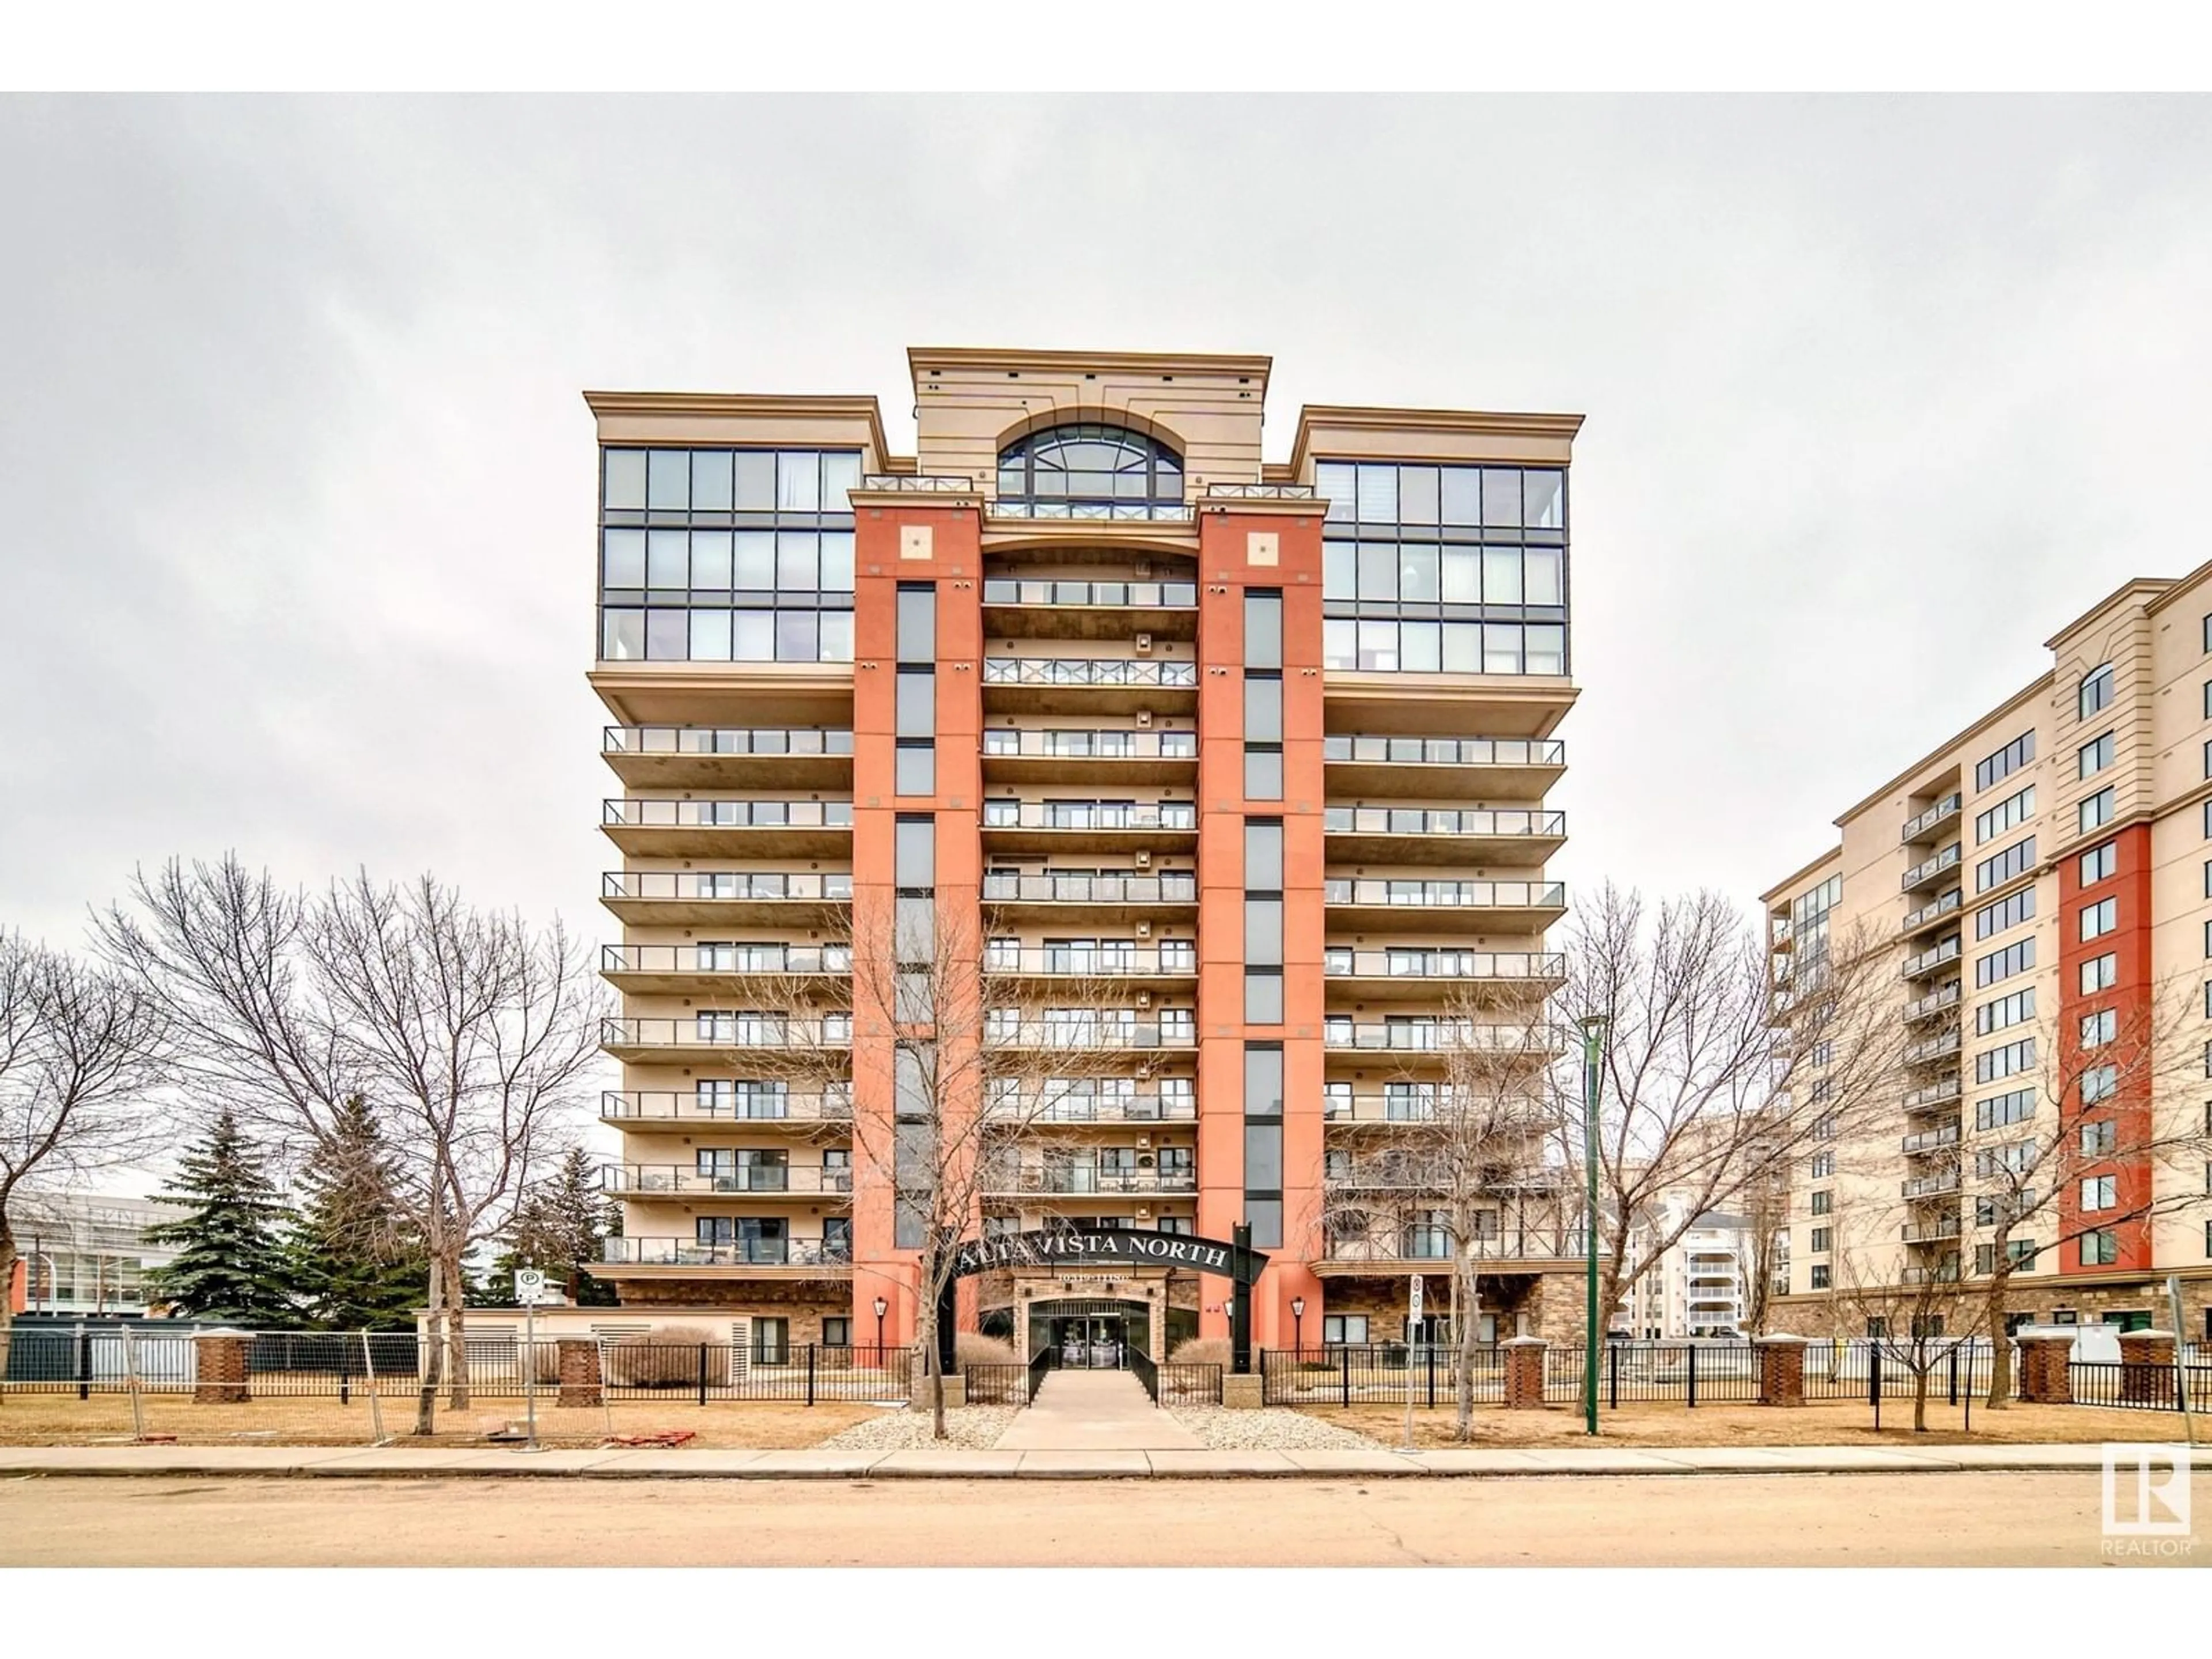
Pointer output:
1087, 1182
1439, 820
1418, 1103
1933, 1003
1147, 596
1934, 910
1030, 507
1434, 1244
1931, 1140
1435, 1036
1935, 1048
1340, 963
708, 1104
736, 885
1111, 1028
1916, 826
1177, 957
729, 1031
1935, 956
726, 959
1090, 814
1174, 887
1925, 1232
1087, 671
1941, 1092
1042, 1107
1930, 1186
1091, 745
666, 814
1444, 751
684, 1180
1928, 869
1446, 894
726, 740
730, 1253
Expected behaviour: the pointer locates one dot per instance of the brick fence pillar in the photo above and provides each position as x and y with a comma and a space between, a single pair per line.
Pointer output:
1524, 1373
1781, 1369
219, 1368
2146, 1368
580, 1381
2044, 1377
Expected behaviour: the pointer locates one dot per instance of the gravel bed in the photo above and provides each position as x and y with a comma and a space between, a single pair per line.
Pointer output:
1269, 1429
968, 1428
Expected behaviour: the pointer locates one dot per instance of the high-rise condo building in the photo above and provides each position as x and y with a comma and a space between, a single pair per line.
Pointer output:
1218, 784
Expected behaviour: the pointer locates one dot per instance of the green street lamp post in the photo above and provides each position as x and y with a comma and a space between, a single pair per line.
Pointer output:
1594, 1029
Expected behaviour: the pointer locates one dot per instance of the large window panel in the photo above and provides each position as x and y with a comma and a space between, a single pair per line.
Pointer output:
624, 490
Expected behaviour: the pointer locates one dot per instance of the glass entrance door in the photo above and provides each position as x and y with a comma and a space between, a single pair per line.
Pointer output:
1090, 1342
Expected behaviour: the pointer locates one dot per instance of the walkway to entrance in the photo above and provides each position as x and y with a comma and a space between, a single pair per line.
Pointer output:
1084, 1411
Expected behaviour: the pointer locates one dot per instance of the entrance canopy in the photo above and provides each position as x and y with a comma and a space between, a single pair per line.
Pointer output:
1114, 1246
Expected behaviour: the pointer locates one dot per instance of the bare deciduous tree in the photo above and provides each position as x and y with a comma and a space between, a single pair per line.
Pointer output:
947, 1034
82, 1059
1715, 1078
471, 1032
1913, 1322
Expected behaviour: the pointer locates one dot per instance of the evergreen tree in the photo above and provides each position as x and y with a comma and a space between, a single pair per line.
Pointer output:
357, 1264
558, 1226
230, 1262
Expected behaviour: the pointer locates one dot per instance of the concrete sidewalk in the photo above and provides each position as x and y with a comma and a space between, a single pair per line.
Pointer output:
1094, 1410
21, 1463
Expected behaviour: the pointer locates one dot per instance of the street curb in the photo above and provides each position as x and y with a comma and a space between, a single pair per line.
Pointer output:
410, 1463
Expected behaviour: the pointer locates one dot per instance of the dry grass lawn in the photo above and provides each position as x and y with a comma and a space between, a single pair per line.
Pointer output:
62, 1419
1824, 1423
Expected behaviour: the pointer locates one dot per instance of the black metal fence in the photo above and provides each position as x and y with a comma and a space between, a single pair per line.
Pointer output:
1377, 1373
1188, 1383
997, 1385
93, 1359
2145, 1386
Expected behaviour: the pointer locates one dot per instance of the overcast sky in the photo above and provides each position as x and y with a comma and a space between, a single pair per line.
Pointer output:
299, 484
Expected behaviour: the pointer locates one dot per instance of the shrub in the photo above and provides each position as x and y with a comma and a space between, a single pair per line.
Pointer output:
668, 1359
1201, 1351
972, 1348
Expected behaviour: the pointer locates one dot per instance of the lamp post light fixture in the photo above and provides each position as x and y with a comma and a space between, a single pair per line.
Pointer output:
1298, 1315
1593, 1030
881, 1308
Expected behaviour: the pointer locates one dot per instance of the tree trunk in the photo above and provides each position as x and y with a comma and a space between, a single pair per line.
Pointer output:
1468, 1313
8, 1259
933, 1370
432, 1353
456, 1334
2000, 1339
1920, 1395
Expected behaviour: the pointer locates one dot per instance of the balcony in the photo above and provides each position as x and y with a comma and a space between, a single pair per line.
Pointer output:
1049, 896
1424, 1247
1080, 1108
1936, 1002
1926, 823
1946, 1274
1422, 976
831, 1255
682, 1042
1109, 1030
1930, 1231
1024, 608
1930, 1185
1114, 756
1437, 1036
1415, 835
678, 1108
1381, 1174
1262, 492
1930, 1140
1928, 914
1934, 1049
1163, 965
725, 898
1444, 906
1049, 826
1341, 1107
693, 969
1925, 873
1936, 956
730, 756
663, 828
1098, 685
1941, 1092
1507, 769
750, 1181
1083, 1181
1029, 508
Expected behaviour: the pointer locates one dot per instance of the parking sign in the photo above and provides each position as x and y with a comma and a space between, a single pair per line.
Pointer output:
529, 1286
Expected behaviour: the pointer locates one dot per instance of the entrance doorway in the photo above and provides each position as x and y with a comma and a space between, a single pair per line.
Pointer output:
1091, 1342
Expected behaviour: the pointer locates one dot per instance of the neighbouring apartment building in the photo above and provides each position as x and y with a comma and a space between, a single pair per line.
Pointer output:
1701, 1284
1238, 769
2044, 878
84, 1253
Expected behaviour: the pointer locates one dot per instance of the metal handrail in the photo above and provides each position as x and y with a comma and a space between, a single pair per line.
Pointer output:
1090, 744
661, 813
1447, 895
1434, 1244
687, 1105
729, 1031
1139, 1034
1935, 956
1928, 1141
1264, 492
663, 1252
1172, 887
1934, 1094
1337, 963
1029, 506
1090, 814
1134, 596
686, 1179
1425, 1108
1084, 1181
1088, 670
927, 483
1444, 751
803, 741
1439, 820
1934, 867
1927, 913
1178, 957
736, 885
1096, 1108
1432, 1035
775, 958
1915, 827
1935, 1002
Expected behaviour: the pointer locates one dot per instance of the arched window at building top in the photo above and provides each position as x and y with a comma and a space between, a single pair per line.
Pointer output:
1089, 470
